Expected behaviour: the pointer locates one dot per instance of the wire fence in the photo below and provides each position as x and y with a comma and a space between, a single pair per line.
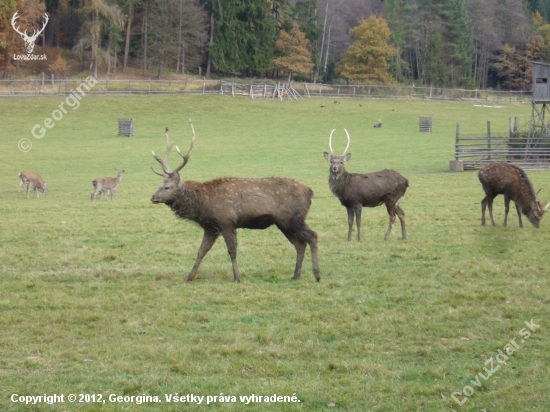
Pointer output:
45, 86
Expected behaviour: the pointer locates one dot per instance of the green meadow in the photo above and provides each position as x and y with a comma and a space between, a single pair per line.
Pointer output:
93, 297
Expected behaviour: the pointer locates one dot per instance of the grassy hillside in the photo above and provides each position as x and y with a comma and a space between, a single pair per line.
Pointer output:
94, 300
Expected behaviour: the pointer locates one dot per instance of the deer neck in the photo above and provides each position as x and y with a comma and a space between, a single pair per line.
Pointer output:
190, 204
337, 182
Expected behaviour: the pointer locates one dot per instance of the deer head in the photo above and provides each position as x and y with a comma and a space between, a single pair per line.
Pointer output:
537, 211
29, 40
337, 162
166, 193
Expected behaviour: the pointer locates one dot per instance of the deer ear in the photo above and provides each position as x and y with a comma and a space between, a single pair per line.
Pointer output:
347, 157
327, 156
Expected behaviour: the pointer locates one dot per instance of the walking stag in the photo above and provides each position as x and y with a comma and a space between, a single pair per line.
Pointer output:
223, 205
356, 191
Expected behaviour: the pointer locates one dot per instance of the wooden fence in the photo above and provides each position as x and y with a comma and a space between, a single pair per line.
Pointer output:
516, 148
45, 86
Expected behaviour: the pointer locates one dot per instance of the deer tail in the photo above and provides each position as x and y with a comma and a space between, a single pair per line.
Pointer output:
94, 183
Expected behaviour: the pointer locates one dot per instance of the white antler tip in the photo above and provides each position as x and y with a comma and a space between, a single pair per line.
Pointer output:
178, 149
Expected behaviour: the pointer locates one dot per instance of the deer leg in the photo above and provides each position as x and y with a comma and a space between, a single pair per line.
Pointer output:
350, 222
483, 207
28, 189
311, 238
230, 237
358, 210
21, 182
519, 216
490, 205
401, 216
207, 242
95, 193
391, 212
506, 209
300, 245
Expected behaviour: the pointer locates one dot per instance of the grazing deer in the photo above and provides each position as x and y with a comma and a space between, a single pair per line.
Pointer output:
33, 181
106, 184
356, 191
222, 206
501, 178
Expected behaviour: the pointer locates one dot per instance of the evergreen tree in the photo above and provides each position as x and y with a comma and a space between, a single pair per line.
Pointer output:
436, 71
400, 20
460, 40
366, 60
305, 14
244, 36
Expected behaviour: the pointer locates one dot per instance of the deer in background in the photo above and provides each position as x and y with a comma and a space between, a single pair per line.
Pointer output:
106, 184
223, 205
501, 178
356, 191
33, 181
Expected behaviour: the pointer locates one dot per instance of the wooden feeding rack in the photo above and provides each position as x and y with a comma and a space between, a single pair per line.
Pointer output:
426, 123
126, 127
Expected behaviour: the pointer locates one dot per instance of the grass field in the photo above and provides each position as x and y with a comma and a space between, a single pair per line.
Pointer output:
93, 296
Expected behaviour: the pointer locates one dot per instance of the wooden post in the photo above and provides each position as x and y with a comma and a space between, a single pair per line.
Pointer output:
251, 93
456, 165
203, 85
489, 139
457, 140
52, 81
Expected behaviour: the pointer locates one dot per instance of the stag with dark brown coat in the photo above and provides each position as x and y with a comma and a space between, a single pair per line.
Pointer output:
501, 178
222, 206
356, 191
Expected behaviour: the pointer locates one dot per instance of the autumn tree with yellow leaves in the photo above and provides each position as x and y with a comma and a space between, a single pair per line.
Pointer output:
294, 53
367, 59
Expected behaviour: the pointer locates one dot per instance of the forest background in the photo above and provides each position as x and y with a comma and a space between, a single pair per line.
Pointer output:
457, 43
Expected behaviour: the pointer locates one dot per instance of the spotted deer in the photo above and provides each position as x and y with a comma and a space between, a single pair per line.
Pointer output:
501, 178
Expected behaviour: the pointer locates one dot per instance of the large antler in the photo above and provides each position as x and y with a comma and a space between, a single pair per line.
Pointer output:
330, 142
349, 141
188, 154
164, 161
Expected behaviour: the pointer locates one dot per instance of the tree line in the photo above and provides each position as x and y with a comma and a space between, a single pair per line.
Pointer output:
457, 43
